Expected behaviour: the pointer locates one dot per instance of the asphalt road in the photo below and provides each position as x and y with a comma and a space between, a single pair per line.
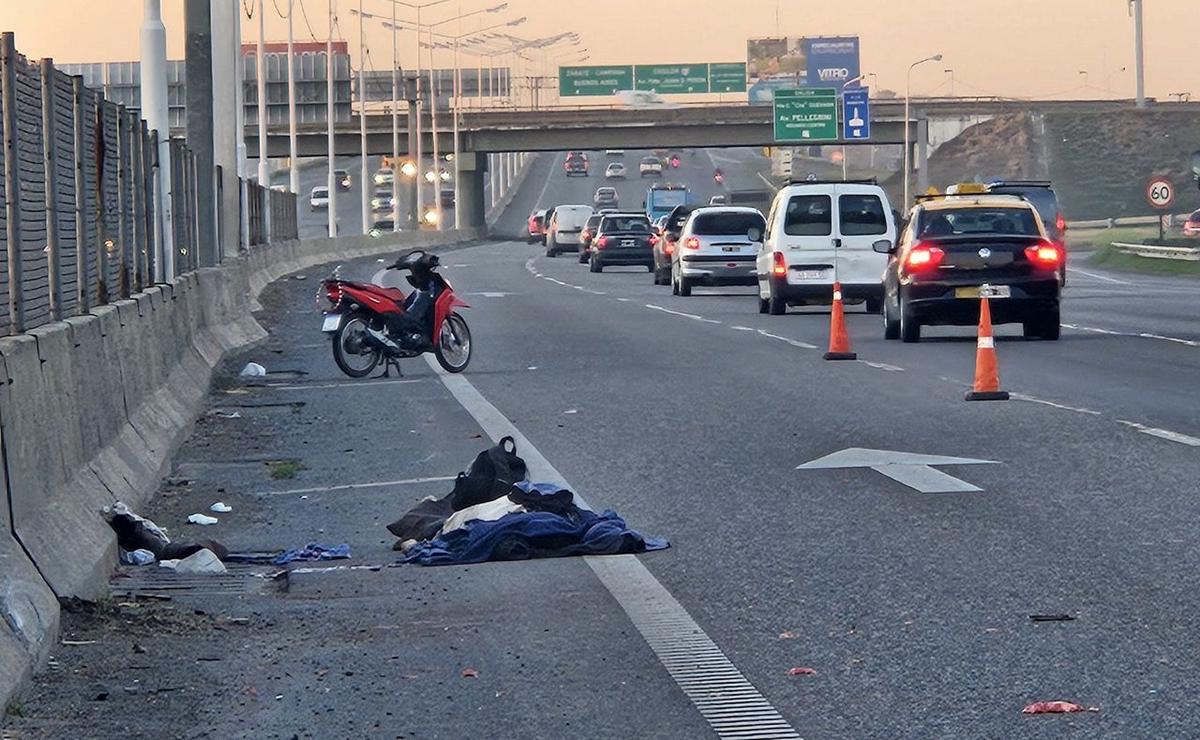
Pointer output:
689, 416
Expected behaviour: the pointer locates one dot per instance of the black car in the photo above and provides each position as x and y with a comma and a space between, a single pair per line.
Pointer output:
665, 247
342, 178
953, 246
585, 237
1041, 194
622, 239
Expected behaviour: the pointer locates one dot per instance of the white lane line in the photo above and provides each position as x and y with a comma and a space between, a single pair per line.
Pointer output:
339, 384
624, 300
356, 486
1044, 402
793, 342
1097, 276
1135, 335
694, 317
883, 366
742, 328
690, 656
546, 186
1166, 434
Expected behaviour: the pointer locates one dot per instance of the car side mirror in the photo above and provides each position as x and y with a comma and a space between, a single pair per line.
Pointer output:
884, 246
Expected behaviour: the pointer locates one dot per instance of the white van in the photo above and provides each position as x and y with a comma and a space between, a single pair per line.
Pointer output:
562, 233
819, 232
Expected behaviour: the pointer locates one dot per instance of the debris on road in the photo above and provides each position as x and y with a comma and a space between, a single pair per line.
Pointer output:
1056, 707
571, 412
221, 508
788, 635
470, 673
223, 414
203, 520
253, 370
136, 557
1052, 617
134, 532
314, 551
801, 671
202, 562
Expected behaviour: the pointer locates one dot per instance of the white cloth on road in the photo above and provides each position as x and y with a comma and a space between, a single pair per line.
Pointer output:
489, 511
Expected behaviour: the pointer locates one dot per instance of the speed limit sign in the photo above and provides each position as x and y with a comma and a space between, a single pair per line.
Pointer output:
1160, 193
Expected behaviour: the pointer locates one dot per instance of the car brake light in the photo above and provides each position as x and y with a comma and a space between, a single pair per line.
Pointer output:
779, 267
668, 248
691, 242
922, 257
585, 235
602, 242
1044, 255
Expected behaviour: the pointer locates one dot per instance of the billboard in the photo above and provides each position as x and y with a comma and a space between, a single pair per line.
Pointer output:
774, 64
831, 61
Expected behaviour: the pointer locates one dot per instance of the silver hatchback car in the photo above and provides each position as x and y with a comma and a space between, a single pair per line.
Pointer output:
718, 246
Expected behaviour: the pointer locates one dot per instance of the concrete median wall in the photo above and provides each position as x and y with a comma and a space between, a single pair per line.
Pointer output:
92, 409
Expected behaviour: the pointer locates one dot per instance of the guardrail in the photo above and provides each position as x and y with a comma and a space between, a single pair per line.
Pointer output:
1186, 254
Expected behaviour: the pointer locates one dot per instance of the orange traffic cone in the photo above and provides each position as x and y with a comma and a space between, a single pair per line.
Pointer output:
839, 340
987, 374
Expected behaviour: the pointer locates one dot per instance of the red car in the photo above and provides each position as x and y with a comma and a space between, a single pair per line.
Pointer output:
1191, 227
537, 226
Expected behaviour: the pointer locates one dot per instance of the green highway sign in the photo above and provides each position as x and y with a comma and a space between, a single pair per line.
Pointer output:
667, 79
806, 114
594, 80
727, 78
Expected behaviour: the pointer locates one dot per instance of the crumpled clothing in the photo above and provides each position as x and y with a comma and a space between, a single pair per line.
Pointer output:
488, 511
544, 497
314, 551
534, 535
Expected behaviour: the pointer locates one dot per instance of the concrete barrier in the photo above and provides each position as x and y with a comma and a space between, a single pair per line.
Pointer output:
1185, 254
93, 408
497, 211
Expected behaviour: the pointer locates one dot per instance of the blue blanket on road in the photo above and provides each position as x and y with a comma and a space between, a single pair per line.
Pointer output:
534, 534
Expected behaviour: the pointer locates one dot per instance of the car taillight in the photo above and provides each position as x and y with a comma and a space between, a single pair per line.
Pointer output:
1044, 255
1060, 222
653, 240
691, 242
922, 258
668, 248
602, 242
779, 267
585, 235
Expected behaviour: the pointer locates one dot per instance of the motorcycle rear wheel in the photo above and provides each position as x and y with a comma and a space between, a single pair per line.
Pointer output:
454, 345
350, 350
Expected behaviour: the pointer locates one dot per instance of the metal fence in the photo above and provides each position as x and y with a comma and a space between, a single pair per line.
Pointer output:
77, 198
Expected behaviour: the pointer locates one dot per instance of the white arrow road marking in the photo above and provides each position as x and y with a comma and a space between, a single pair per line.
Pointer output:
907, 468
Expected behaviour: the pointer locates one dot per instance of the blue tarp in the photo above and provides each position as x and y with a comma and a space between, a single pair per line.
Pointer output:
314, 551
535, 534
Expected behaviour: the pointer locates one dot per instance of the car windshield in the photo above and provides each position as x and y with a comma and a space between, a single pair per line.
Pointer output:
668, 198
635, 224
963, 221
606, 192
320, 192
650, 160
593, 222
1043, 199
727, 224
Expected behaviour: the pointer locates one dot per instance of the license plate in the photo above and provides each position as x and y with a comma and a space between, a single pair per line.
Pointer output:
798, 275
731, 249
331, 322
989, 291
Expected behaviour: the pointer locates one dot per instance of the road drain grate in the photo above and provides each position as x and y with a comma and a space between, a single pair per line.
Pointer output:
726, 699
153, 581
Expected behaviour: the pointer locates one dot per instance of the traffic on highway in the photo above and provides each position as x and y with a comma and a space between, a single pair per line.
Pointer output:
568, 371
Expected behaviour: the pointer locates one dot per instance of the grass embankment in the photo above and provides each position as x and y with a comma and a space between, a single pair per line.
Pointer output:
1106, 255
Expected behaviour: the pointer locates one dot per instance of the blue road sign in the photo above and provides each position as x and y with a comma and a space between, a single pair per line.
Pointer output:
856, 114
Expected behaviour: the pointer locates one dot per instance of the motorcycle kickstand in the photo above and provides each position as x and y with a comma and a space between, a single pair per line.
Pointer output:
389, 363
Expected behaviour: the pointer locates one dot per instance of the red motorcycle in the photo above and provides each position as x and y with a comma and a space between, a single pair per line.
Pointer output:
369, 323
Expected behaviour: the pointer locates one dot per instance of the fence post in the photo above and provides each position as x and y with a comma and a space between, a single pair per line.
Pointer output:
138, 181
12, 181
81, 240
49, 166
149, 153
122, 187
103, 239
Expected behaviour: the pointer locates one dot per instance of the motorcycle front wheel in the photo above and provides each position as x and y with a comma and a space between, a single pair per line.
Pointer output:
353, 355
454, 345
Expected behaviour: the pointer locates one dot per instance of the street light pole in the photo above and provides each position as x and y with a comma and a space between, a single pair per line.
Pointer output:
908, 121
264, 172
395, 127
330, 182
1139, 50
294, 172
362, 123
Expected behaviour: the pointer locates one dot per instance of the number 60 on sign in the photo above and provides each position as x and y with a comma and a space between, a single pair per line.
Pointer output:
1160, 193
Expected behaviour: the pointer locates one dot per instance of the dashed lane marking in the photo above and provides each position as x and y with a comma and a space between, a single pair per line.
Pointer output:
726, 699
338, 384
1097, 276
1053, 404
1135, 335
883, 366
794, 342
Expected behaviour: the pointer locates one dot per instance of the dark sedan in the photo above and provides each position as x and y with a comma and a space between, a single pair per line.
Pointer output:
959, 248
622, 239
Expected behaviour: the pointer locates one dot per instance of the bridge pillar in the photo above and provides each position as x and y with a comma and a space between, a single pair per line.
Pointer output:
494, 173
922, 155
469, 207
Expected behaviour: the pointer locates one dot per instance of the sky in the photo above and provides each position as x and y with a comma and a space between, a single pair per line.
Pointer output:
1016, 48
